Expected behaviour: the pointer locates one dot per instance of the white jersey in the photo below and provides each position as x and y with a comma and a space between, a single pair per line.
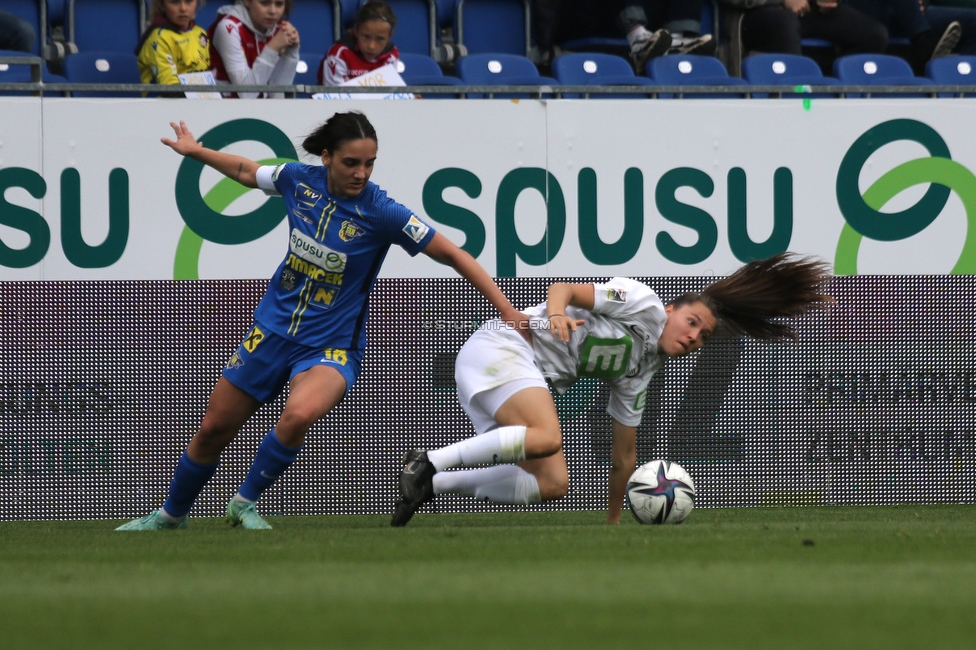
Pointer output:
617, 342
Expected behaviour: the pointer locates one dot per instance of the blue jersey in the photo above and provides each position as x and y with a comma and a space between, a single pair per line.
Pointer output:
319, 296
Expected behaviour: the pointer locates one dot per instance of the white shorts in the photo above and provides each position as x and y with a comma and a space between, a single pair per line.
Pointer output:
494, 364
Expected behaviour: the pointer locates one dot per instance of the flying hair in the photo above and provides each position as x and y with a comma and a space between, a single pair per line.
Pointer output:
754, 300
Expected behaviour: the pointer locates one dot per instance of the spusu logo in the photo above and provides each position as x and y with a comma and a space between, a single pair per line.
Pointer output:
862, 212
203, 214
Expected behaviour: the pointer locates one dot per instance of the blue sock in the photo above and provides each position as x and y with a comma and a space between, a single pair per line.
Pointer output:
188, 481
271, 461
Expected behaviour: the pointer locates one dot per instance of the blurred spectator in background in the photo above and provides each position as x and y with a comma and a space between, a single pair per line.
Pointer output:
652, 27
251, 42
678, 24
173, 43
934, 31
15, 33
365, 48
780, 25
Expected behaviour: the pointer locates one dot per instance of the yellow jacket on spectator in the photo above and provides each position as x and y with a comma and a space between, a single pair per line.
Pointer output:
166, 52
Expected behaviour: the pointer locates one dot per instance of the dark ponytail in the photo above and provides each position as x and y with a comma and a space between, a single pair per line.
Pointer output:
751, 300
338, 129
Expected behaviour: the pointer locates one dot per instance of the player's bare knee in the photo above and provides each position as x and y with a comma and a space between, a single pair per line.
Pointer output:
294, 422
547, 442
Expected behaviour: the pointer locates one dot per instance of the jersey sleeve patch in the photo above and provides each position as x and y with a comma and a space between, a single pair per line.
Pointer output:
616, 295
416, 229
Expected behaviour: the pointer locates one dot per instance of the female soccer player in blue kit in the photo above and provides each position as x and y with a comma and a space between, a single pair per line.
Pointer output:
309, 329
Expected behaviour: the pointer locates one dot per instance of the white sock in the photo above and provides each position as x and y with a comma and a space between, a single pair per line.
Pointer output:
238, 497
501, 445
501, 484
636, 33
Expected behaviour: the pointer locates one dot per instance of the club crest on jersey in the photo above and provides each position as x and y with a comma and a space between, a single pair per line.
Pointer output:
349, 231
616, 295
235, 361
306, 195
416, 229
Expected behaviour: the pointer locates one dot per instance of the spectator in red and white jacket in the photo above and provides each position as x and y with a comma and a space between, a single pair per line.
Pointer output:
365, 48
252, 43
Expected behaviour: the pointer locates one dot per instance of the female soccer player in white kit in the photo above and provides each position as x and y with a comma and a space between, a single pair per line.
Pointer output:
620, 332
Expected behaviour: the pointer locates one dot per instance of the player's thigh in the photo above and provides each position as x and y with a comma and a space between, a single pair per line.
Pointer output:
313, 393
532, 407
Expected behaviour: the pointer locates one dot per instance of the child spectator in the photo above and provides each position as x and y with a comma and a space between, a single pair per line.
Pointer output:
365, 48
173, 43
252, 43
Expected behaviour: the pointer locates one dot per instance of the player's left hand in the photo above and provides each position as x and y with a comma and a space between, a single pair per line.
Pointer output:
185, 143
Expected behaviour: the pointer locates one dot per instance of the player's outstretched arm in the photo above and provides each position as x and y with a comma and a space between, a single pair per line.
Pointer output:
240, 169
623, 461
446, 252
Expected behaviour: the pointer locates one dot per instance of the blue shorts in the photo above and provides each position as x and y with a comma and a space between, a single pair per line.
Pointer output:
264, 362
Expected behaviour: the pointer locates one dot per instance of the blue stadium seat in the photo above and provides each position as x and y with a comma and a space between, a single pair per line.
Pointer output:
422, 70
501, 69
102, 68
35, 13
878, 70
17, 73
308, 69
347, 14
788, 70
596, 69
416, 30
105, 25
693, 70
955, 70
497, 26
317, 22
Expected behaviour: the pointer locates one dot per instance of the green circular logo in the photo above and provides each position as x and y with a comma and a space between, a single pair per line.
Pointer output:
204, 216
862, 213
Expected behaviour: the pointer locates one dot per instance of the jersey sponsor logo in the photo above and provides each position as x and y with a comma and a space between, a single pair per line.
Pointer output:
312, 251
235, 361
253, 339
323, 297
641, 400
300, 213
416, 229
306, 195
317, 273
616, 295
349, 231
604, 358
289, 280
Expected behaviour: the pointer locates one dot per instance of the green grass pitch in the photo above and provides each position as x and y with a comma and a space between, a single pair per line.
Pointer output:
865, 577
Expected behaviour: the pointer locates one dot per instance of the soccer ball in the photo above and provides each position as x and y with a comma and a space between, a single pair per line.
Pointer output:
660, 492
